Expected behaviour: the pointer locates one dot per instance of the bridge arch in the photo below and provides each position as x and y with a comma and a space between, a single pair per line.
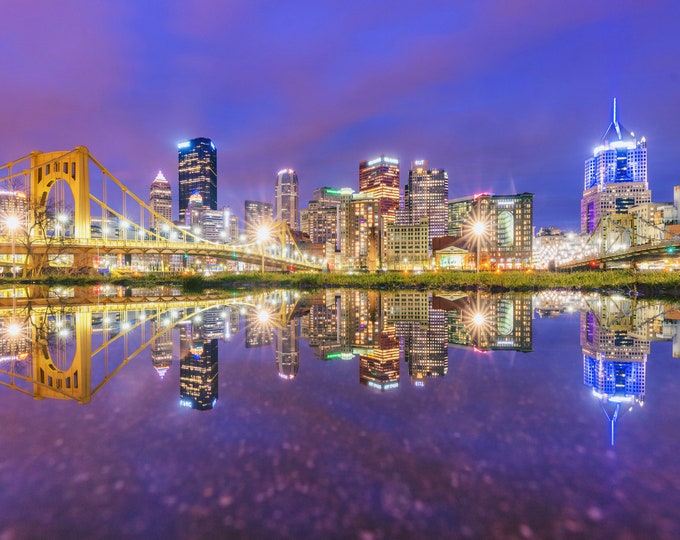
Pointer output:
73, 168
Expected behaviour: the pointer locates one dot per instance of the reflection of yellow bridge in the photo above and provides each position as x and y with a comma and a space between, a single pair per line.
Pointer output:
31, 363
139, 230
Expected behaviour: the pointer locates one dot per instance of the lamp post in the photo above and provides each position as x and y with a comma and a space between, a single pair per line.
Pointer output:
479, 228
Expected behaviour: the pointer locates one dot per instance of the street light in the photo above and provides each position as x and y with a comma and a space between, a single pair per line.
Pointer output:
478, 228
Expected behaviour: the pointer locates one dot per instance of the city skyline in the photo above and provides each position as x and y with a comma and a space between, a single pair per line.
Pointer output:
506, 100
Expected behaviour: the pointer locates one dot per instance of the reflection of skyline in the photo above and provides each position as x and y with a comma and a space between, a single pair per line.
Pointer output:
376, 329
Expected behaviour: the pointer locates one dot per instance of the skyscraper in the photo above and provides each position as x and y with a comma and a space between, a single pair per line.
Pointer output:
197, 173
426, 195
380, 177
160, 200
287, 198
615, 176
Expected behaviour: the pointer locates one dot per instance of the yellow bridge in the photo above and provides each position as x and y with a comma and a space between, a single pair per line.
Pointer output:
32, 237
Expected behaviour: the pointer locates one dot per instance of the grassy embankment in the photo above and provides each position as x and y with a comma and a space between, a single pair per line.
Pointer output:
643, 283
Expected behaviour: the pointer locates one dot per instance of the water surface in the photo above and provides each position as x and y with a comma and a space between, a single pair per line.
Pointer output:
339, 414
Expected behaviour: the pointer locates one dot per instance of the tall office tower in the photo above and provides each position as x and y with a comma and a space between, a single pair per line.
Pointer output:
426, 195
160, 200
256, 214
380, 177
197, 173
615, 176
320, 220
287, 197
361, 233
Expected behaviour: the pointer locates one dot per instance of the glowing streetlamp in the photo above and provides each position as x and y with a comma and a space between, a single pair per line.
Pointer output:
478, 229
263, 233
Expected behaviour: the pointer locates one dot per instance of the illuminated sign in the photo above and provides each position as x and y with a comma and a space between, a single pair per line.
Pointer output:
384, 160
212, 144
419, 163
284, 171
185, 144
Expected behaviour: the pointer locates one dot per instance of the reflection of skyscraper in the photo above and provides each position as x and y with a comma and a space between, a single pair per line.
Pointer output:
287, 345
494, 322
198, 369
197, 173
380, 368
258, 333
614, 363
425, 346
321, 325
161, 348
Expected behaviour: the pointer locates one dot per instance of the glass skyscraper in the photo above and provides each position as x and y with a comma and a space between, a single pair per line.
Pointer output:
426, 195
287, 198
197, 173
615, 175
379, 177
160, 200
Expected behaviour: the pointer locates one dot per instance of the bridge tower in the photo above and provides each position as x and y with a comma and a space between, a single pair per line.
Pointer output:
72, 167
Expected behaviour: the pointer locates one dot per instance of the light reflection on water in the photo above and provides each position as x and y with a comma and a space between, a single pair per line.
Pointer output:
445, 374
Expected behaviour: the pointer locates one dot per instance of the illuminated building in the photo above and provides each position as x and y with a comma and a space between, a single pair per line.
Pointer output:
197, 173
257, 213
320, 220
361, 232
194, 210
615, 176
231, 231
506, 241
13, 202
406, 246
320, 326
287, 346
212, 225
425, 196
286, 198
160, 200
552, 247
458, 211
379, 177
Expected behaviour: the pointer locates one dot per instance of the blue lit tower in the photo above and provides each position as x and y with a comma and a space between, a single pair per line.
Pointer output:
615, 176
197, 173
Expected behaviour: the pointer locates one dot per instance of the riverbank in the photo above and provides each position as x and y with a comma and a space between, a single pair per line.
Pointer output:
648, 284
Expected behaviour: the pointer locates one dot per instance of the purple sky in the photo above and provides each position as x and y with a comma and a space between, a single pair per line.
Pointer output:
507, 96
